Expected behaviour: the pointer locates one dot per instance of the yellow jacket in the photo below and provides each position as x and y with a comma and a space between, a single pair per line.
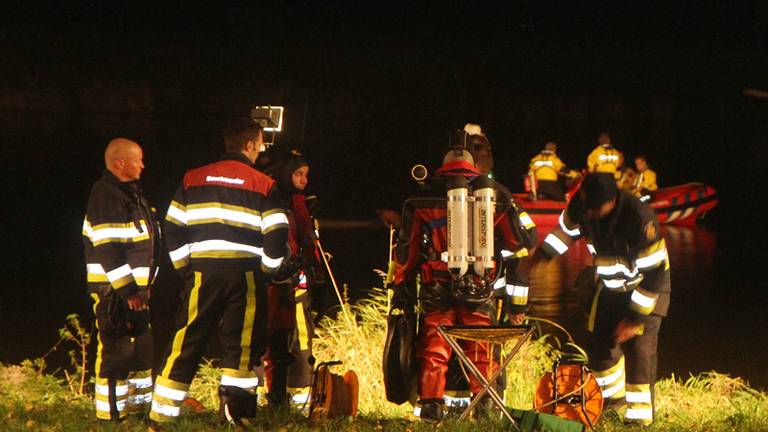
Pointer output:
645, 181
604, 158
546, 166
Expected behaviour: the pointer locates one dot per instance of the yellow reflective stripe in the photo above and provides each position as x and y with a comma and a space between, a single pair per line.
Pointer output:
274, 221
652, 256
223, 254
99, 344
115, 232
642, 301
556, 244
593, 310
177, 214
301, 327
526, 220
178, 339
215, 212
248, 318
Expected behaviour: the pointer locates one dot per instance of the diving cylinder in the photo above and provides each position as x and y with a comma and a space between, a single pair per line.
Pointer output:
458, 225
482, 224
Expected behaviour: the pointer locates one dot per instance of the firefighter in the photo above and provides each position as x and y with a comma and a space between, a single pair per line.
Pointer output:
605, 158
225, 234
121, 236
546, 168
423, 251
289, 360
632, 288
645, 178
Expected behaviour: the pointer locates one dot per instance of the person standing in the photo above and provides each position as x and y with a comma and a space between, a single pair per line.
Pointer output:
225, 234
546, 168
289, 360
605, 158
632, 288
420, 253
121, 236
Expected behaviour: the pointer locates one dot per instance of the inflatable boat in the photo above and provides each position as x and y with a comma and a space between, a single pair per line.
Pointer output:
683, 204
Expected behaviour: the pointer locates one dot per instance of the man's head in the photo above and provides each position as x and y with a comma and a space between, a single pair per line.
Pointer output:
124, 159
604, 138
598, 194
641, 163
245, 136
550, 147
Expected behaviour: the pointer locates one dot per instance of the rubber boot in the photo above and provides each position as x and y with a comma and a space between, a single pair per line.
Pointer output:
236, 404
431, 410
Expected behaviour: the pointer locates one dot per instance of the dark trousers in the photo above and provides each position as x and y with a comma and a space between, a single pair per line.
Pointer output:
550, 189
231, 300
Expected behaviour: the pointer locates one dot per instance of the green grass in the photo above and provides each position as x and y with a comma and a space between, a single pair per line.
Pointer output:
32, 399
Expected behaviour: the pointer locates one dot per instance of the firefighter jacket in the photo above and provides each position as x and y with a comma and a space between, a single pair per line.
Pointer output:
629, 251
121, 236
226, 213
604, 158
546, 166
423, 239
645, 182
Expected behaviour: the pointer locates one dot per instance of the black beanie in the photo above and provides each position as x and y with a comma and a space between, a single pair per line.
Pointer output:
597, 188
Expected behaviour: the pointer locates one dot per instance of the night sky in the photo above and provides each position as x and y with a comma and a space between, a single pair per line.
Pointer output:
370, 88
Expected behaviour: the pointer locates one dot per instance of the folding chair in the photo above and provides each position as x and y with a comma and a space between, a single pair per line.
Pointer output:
492, 335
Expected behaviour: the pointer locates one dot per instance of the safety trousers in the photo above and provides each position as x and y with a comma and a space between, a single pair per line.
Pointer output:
123, 366
625, 372
289, 360
232, 300
434, 352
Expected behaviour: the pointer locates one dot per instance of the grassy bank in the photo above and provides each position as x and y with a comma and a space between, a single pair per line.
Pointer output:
32, 398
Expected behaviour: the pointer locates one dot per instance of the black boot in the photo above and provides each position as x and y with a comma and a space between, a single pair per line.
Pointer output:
278, 388
236, 404
431, 410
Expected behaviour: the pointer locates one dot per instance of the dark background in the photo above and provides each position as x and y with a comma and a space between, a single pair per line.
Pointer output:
370, 88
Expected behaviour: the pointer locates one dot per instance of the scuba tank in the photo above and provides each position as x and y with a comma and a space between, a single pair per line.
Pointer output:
458, 226
483, 208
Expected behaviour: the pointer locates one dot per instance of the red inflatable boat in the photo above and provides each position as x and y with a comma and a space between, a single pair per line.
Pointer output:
682, 204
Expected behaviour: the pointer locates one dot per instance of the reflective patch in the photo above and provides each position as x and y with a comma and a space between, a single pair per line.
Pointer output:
166, 410
639, 414
244, 383
556, 244
575, 232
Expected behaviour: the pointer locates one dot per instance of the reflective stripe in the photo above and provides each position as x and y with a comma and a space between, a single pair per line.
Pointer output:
300, 398
120, 390
614, 283
175, 211
106, 233
575, 232
457, 402
214, 212
614, 391
169, 393
652, 260
639, 414
104, 406
120, 276
506, 254
500, 283
245, 383
591, 249
417, 411
166, 410
517, 290
271, 263
141, 383
217, 245
540, 163
556, 243
610, 379
179, 254
141, 275
642, 299
274, 220
608, 157
609, 270
95, 269
638, 397
526, 220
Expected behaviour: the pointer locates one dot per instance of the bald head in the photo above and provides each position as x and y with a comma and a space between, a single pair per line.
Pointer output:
124, 159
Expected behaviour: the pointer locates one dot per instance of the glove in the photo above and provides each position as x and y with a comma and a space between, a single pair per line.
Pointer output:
287, 273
